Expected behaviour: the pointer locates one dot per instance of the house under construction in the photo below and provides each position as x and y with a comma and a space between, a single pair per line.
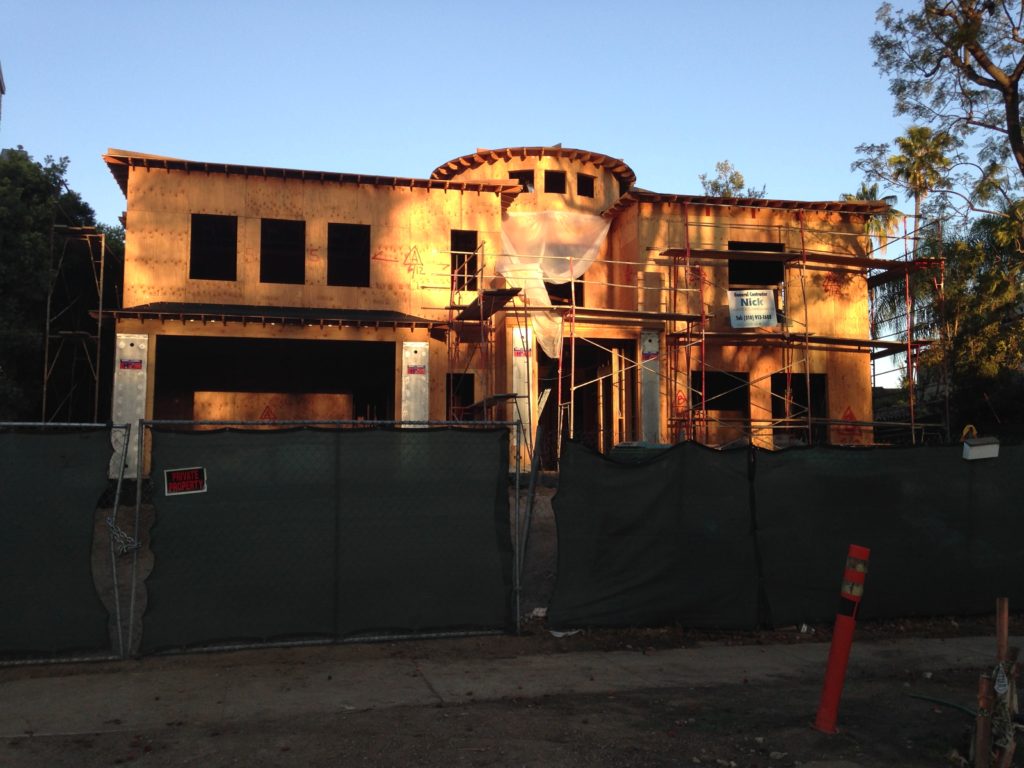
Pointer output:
529, 283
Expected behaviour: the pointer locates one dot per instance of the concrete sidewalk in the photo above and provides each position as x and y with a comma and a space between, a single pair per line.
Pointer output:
140, 695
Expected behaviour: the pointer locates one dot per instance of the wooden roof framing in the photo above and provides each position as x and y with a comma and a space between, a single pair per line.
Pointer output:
887, 267
483, 156
225, 313
120, 161
855, 207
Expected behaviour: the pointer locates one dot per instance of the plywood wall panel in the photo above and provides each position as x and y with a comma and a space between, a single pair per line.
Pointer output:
271, 406
410, 238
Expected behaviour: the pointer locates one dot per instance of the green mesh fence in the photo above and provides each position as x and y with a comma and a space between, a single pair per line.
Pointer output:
424, 540
740, 539
943, 532
50, 484
252, 557
313, 533
656, 542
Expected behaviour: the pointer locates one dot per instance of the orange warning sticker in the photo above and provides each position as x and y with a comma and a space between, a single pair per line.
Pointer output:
848, 430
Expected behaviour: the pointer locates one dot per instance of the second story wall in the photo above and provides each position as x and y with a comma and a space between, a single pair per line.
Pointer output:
363, 246
835, 297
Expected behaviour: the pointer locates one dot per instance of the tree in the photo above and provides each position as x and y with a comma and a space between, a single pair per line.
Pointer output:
978, 324
879, 227
33, 197
922, 163
728, 182
956, 65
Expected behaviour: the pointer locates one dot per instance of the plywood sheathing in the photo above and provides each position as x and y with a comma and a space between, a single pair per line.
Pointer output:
410, 231
830, 292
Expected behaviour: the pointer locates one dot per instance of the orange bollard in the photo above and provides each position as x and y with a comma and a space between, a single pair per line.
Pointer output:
850, 594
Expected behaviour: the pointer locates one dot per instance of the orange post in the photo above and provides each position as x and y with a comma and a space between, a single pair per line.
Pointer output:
850, 594
983, 723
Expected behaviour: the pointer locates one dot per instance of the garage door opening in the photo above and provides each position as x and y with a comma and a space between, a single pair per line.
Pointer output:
273, 379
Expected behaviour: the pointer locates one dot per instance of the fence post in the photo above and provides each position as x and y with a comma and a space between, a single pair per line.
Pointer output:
140, 458
983, 724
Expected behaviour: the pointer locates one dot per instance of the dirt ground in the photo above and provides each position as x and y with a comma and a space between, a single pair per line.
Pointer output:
735, 723
721, 727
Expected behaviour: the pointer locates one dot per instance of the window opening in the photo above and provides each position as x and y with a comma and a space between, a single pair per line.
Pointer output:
213, 248
524, 179
282, 251
756, 272
584, 185
723, 391
459, 391
464, 263
792, 427
554, 181
348, 255
561, 294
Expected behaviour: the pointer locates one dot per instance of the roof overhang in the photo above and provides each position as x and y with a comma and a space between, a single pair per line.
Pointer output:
852, 207
119, 162
484, 156
252, 314
882, 270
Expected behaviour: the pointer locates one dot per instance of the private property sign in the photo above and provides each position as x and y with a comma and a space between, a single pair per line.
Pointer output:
186, 480
753, 308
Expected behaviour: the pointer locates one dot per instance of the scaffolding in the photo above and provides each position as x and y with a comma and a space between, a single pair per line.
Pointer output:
685, 322
469, 333
73, 342
795, 340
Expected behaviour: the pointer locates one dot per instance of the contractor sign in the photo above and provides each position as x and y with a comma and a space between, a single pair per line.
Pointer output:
753, 308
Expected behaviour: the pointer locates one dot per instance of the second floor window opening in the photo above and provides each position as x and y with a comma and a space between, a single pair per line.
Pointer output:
348, 255
282, 251
464, 259
554, 181
523, 178
213, 247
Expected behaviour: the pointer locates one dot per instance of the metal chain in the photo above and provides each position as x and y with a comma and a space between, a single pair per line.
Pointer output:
122, 542
1003, 729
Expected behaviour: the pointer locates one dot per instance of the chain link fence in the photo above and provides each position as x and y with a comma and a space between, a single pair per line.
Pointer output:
323, 532
61, 548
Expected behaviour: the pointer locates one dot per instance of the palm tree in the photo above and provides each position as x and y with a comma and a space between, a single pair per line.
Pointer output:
921, 165
879, 226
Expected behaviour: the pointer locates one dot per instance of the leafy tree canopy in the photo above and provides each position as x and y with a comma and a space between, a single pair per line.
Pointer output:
728, 182
33, 197
978, 324
956, 66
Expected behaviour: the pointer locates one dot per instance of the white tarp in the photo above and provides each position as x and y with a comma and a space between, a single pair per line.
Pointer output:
548, 246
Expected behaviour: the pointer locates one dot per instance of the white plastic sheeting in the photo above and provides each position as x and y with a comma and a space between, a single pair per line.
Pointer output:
548, 246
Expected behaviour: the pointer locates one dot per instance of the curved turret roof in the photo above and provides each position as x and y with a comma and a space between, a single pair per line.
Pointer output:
454, 167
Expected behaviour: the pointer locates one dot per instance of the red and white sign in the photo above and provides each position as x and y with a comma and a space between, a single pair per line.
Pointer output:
178, 482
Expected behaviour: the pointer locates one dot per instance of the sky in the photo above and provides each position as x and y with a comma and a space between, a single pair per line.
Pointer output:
784, 90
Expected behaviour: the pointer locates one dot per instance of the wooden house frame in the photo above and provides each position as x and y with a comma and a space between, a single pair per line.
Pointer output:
270, 294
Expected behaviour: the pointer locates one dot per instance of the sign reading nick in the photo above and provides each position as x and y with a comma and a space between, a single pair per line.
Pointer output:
181, 481
753, 308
